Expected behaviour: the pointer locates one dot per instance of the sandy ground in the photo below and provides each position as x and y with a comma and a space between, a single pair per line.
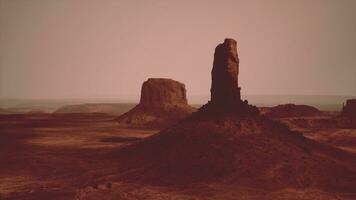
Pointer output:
63, 156
46, 156
324, 129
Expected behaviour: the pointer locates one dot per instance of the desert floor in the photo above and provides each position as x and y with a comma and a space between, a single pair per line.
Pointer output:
63, 156
45, 155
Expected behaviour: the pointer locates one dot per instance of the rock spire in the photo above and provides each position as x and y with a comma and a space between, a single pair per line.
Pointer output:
225, 90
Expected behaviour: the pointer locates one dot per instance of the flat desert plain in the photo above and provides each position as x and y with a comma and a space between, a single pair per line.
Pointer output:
65, 156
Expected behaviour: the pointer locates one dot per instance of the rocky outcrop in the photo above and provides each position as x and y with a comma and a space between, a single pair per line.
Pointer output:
292, 110
163, 102
349, 109
160, 93
225, 90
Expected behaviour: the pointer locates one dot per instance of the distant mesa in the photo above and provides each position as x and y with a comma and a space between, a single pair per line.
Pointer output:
163, 94
349, 109
229, 143
106, 108
23, 110
347, 118
34, 112
292, 110
6, 111
163, 102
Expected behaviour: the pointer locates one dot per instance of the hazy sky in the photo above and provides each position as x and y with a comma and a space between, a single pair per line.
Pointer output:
86, 48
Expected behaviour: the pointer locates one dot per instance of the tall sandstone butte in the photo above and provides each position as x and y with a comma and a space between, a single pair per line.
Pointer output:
163, 102
225, 90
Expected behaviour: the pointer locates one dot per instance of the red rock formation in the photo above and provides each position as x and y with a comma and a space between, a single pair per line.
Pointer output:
224, 88
228, 143
350, 108
225, 91
160, 93
163, 102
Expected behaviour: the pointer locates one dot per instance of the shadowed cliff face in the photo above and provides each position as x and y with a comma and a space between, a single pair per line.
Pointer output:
224, 89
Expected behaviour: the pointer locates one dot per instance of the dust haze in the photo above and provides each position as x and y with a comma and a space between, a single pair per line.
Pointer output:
93, 49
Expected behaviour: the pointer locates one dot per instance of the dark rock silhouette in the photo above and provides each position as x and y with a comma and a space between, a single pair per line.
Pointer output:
163, 102
225, 91
292, 110
350, 108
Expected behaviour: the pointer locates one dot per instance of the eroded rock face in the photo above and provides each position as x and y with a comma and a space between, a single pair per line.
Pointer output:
160, 93
163, 102
224, 88
350, 108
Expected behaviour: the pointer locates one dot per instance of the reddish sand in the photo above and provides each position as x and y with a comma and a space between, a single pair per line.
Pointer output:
46, 156
70, 156
327, 129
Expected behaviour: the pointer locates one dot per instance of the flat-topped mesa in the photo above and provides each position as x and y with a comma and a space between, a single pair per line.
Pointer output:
163, 102
161, 92
225, 91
